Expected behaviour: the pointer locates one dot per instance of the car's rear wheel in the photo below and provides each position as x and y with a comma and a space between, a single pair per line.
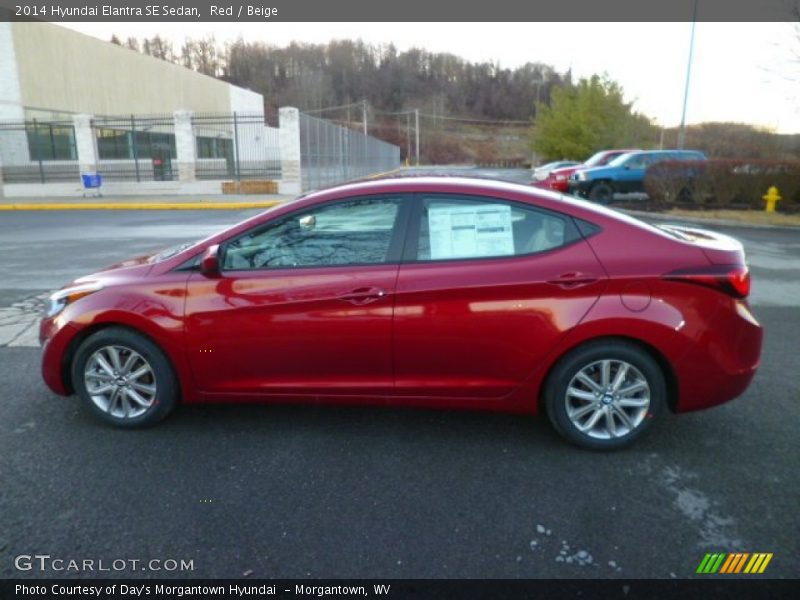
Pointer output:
124, 378
605, 395
602, 193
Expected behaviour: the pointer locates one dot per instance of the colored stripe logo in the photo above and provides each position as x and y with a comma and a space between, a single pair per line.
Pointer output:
734, 562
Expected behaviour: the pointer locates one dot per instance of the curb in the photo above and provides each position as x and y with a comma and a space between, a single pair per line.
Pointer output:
704, 220
140, 205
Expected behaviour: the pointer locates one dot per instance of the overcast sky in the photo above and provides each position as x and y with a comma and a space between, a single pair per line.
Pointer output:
746, 72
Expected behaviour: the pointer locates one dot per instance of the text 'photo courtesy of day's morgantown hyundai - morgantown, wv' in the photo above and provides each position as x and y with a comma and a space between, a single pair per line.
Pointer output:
312, 301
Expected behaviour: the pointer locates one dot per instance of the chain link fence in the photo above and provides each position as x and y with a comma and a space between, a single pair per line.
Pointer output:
330, 153
38, 152
236, 146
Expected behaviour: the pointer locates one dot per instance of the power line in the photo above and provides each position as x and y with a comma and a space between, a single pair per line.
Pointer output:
330, 108
470, 120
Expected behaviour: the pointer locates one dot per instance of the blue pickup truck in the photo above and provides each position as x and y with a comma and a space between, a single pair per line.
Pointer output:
624, 174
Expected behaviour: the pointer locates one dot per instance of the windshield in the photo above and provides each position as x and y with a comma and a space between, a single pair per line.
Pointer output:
621, 159
171, 251
596, 159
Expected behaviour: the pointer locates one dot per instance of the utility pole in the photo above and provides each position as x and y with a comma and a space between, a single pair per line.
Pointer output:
364, 107
682, 130
416, 130
408, 138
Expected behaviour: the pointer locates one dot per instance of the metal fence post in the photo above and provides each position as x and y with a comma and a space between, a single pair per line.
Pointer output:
135, 149
38, 150
236, 146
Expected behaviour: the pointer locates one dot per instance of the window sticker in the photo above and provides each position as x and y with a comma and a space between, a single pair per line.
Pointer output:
471, 230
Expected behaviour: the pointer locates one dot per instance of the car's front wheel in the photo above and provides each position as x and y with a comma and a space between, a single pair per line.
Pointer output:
605, 395
602, 193
124, 378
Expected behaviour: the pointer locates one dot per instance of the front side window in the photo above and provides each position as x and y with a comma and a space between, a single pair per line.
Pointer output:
355, 232
461, 228
639, 161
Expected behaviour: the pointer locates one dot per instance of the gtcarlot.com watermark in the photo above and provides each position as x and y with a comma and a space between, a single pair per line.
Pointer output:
43, 563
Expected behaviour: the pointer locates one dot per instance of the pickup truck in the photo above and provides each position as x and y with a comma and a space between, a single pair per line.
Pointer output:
558, 179
624, 174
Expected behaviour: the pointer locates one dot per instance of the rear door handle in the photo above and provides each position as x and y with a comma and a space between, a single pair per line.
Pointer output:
570, 281
363, 295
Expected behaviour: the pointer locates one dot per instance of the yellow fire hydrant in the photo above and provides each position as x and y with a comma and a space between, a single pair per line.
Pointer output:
771, 198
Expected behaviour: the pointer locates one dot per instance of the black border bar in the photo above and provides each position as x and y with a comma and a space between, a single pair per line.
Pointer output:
266, 11
710, 588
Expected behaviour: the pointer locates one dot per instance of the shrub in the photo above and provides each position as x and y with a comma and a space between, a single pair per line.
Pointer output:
723, 183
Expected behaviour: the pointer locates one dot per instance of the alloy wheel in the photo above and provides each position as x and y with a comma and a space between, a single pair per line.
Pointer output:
607, 399
120, 382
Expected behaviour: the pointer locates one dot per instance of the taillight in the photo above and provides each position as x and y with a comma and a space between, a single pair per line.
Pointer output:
733, 280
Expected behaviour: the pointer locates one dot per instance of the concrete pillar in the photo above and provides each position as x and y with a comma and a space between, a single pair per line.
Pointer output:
185, 145
85, 144
291, 175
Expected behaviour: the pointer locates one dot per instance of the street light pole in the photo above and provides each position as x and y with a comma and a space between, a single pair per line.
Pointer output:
682, 130
416, 131
538, 83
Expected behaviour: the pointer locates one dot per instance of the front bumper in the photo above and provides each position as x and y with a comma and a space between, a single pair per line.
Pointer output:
56, 336
578, 188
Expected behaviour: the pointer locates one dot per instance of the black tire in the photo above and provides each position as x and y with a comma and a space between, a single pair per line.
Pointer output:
602, 193
162, 399
558, 405
685, 195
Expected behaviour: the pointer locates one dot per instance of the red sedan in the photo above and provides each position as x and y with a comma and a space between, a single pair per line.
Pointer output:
437, 292
558, 179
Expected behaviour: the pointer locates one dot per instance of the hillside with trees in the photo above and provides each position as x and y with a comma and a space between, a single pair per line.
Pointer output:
469, 111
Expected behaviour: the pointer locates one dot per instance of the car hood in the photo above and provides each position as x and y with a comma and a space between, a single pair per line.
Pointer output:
566, 171
126, 270
598, 171
130, 268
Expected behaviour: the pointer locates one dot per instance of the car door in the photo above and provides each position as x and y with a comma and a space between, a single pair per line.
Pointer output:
631, 176
303, 305
486, 289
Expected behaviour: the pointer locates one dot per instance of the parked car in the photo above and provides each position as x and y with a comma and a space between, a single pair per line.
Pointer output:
542, 172
625, 174
558, 179
435, 292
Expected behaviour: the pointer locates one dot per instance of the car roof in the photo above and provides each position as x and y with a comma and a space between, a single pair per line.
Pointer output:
429, 183
549, 199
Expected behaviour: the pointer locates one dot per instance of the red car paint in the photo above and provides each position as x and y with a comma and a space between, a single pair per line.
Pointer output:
558, 179
475, 333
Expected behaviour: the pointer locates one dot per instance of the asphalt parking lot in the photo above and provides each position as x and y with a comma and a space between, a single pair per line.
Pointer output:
299, 492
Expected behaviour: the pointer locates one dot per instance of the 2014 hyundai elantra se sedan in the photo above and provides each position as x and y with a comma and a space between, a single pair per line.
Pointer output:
436, 292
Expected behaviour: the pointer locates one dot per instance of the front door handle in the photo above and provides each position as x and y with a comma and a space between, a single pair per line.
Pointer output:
365, 295
570, 281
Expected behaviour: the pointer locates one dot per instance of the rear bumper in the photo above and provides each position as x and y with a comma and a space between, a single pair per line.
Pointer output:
720, 366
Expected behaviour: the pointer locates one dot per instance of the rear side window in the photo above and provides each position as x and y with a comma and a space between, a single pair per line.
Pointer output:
455, 227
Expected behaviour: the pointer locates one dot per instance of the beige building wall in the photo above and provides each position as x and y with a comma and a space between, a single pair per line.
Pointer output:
62, 71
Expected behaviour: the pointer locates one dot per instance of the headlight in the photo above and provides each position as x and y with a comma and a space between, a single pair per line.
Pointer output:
561, 177
582, 176
60, 299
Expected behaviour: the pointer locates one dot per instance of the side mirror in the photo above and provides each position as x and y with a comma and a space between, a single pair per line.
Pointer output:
209, 264
308, 222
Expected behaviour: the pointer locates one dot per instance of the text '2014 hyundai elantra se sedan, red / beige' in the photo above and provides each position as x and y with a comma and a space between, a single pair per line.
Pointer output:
428, 292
